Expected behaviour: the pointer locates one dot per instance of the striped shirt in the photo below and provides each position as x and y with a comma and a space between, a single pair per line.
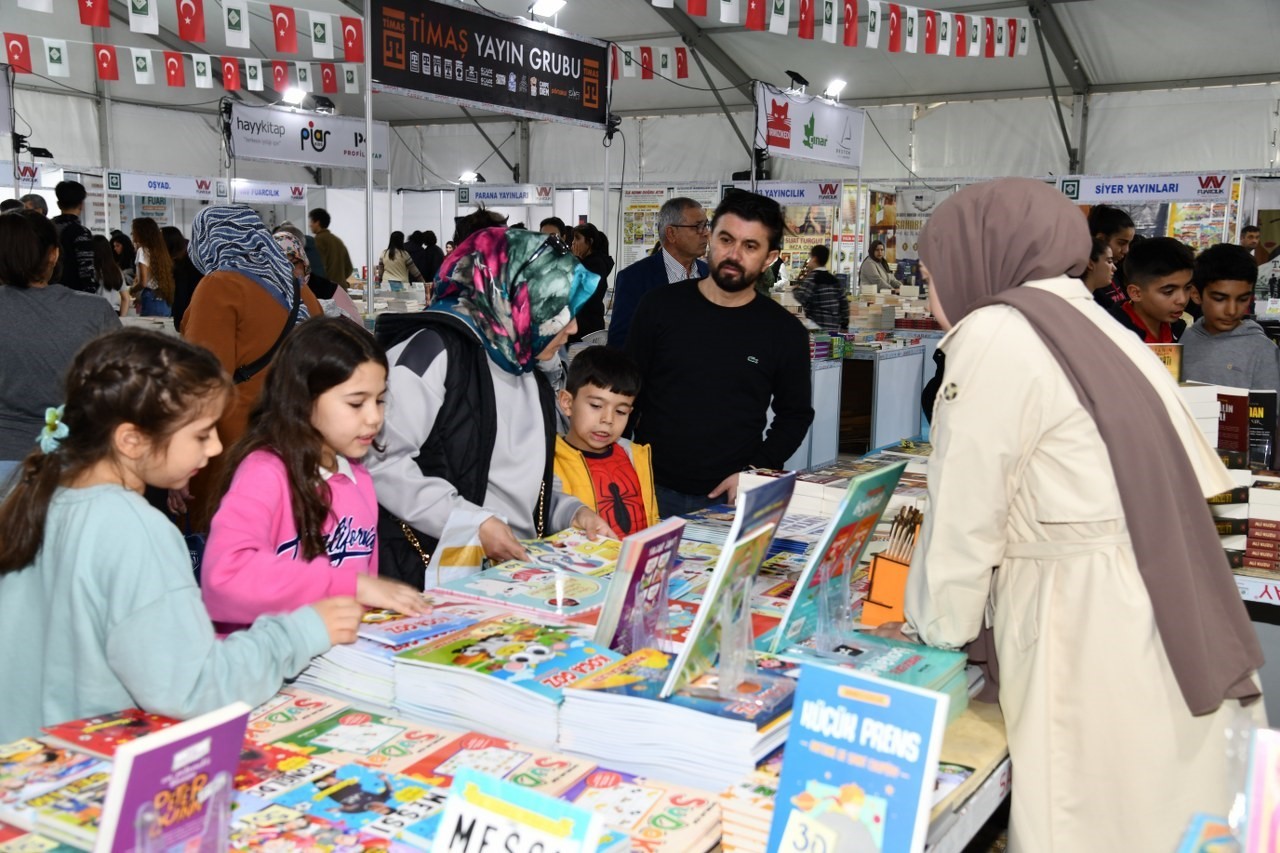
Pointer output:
677, 272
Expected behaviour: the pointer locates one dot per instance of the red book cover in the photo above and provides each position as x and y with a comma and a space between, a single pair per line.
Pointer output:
104, 734
1233, 422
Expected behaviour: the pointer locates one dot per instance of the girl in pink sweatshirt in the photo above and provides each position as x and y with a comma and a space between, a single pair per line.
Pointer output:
298, 519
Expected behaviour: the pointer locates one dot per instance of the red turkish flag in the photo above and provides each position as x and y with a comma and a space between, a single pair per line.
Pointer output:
646, 63
805, 30
895, 28
960, 34
850, 23
755, 14
989, 30
682, 63
175, 72
104, 57
614, 62
285, 26
930, 31
190, 19
697, 7
329, 78
353, 39
279, 75
95, 13
230, 73
18, 47
1011, 36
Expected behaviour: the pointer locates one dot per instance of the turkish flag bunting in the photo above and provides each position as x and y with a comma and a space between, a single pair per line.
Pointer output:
930, 31
353, 39
95, 13
279, 75
230, 73
989, 30
805, 30
329, 78
895, 28
18, 47
614, 61
285, 26
175, 72
646, 63
104, 57
755, 14
190, 19
682, 63
1011, 37
850, 23
697, 7
960, 36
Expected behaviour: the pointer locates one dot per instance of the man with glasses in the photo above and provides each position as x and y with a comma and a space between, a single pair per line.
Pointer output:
683, 230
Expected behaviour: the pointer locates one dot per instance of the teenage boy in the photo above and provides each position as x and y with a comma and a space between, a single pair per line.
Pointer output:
74, 240
820, 294
1159, 275
594, 464
1223, 348
1113, 227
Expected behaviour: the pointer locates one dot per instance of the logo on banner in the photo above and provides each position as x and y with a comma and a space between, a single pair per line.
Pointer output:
297, 193
113, 181
811, 139
1211, 185
393, 30
829, 191
543, 193
233, 20
464, 195
204, 186
319, 138
778, 125
28, 173
1071, 189
222, 189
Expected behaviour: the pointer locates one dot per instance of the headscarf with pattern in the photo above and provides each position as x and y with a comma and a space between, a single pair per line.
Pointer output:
232, 237
295, 251
517, 288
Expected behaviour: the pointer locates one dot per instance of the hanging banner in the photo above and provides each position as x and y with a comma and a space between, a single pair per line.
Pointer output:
447, 52
170, 186
312, 139
263, 192
796, 192
27, 174
496, 195
805, 127
1087, 189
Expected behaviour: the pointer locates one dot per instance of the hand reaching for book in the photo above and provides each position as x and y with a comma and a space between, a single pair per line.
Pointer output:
499, 542
591, 524
894, 631
341, 618
387, 594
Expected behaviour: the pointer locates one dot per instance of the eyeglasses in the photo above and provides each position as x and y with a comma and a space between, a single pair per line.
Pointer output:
702, 226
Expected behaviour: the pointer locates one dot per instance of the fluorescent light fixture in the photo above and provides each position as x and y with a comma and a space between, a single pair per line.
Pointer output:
545, 8
834, 88
468, 178
293, 95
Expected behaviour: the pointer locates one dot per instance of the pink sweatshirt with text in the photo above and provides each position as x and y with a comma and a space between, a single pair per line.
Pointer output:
252, 564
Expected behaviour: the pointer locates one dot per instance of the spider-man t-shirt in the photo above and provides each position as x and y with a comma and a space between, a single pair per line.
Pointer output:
617, 489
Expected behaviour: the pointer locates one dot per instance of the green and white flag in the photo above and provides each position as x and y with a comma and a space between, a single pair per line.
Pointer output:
144, 17
204, 70
235, 23
143, 73
55, 58
779, 16
830, 23
630, 60
910, 29
253, 75
351, 79
321, 35
304, 76
874, 24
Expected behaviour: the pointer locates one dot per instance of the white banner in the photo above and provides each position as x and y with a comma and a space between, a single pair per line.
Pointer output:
264, 192
263, 133
497, 195
1088, 189
805, 127
173, 186
788, 193
29, 175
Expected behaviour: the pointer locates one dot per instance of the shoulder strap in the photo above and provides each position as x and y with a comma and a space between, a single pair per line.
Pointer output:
253, 368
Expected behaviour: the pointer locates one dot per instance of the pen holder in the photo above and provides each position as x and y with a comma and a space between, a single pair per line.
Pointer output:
886, 591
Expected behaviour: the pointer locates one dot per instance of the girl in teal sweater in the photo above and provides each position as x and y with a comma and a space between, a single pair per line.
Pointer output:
96, 587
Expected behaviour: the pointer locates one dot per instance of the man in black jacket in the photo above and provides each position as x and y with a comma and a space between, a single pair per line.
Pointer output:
75, 241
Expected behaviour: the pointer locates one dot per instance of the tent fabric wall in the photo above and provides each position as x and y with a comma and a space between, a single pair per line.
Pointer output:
984, 139
66, 125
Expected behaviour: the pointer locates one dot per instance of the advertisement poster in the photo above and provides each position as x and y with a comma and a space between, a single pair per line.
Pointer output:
882, 224
445, 52
1198, 224
807, 127
265, 133
640, 207
810, 209
849, 247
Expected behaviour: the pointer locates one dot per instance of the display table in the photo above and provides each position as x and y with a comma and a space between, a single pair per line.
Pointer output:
821, 445
880, 397
974, 739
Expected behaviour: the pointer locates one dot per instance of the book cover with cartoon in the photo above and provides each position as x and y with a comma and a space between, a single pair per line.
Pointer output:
102, 735
359, 799
289, 710
29, 768
572, 551
656, 815
352, 736
544, 591
525, 766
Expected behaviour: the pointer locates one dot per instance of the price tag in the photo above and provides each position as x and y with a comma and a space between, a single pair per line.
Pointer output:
805, 835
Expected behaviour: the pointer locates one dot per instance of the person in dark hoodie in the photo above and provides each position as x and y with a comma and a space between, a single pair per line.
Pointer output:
591, 247
1223, 348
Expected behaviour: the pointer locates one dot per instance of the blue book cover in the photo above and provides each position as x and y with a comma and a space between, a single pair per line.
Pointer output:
360, 799
860, 763
554, 592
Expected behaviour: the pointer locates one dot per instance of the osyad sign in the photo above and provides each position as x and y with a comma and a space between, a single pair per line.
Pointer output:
1214, 186
173, 186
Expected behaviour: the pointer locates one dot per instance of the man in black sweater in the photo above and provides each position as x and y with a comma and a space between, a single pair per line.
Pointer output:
715, 356
74, 240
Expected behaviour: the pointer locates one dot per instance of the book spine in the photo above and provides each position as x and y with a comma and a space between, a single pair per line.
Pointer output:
1231, 526
1237, 495
1264, 528
1235, 559
1254, 563
1233, 458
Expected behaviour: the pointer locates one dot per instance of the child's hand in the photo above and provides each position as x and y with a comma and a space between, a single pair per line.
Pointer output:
389, 595
499, 542
591, 524
341, 618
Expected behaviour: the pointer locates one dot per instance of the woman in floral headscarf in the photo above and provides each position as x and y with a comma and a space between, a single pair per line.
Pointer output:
238, 311
469, 435
333, 299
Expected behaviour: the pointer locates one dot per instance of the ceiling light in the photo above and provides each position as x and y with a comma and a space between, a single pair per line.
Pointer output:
545, 8
293, 95
468, 178
833, 90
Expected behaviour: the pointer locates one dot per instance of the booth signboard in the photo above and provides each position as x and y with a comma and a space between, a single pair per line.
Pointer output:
313, 139
1093, 189
499, 195
810, 209
26, 174
169, 186
447, 52
806, 127
263, 192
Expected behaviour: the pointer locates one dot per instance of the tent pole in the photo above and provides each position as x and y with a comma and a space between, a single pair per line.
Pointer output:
370, 259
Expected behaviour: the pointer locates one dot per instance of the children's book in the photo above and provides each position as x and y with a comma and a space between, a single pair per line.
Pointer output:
861, 759
389, 628
836, 556
633, 611
657, 816
68, 812
681, 615
1206, 834
572, 551
359, 799
558, 593
173, 791
15, 840
29, 768
525, 766
261, 762
102, 735
288, 711
352, 736
290, 774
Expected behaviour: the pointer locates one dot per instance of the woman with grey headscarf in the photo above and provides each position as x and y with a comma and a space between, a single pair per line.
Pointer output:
1067, 514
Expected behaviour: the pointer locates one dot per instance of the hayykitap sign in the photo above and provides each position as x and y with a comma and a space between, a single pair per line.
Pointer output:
264, 133
805, 127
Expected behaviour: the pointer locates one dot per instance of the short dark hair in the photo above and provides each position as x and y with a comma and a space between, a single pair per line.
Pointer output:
10, 204
604, 367
1098, 250
429, 237
1107, 220
555, 221
821, 254
1250, 229
320, 215
24, 247
465, 226
754, 208
70, 194
1156, 258
1224, 262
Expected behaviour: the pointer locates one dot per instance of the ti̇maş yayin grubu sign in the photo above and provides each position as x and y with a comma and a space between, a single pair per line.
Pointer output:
449, 53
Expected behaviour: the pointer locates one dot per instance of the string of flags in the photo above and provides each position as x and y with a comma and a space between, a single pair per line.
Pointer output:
895, 27
106, 61
144, 17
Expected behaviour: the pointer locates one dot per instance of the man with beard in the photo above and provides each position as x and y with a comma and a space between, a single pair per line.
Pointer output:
715, 357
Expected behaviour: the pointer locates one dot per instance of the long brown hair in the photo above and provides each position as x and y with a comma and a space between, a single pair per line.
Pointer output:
155, 381
146, 235
105, 265
318, 355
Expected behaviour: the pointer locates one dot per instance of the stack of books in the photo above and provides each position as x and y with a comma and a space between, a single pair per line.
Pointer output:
1262, 545
1202, 400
